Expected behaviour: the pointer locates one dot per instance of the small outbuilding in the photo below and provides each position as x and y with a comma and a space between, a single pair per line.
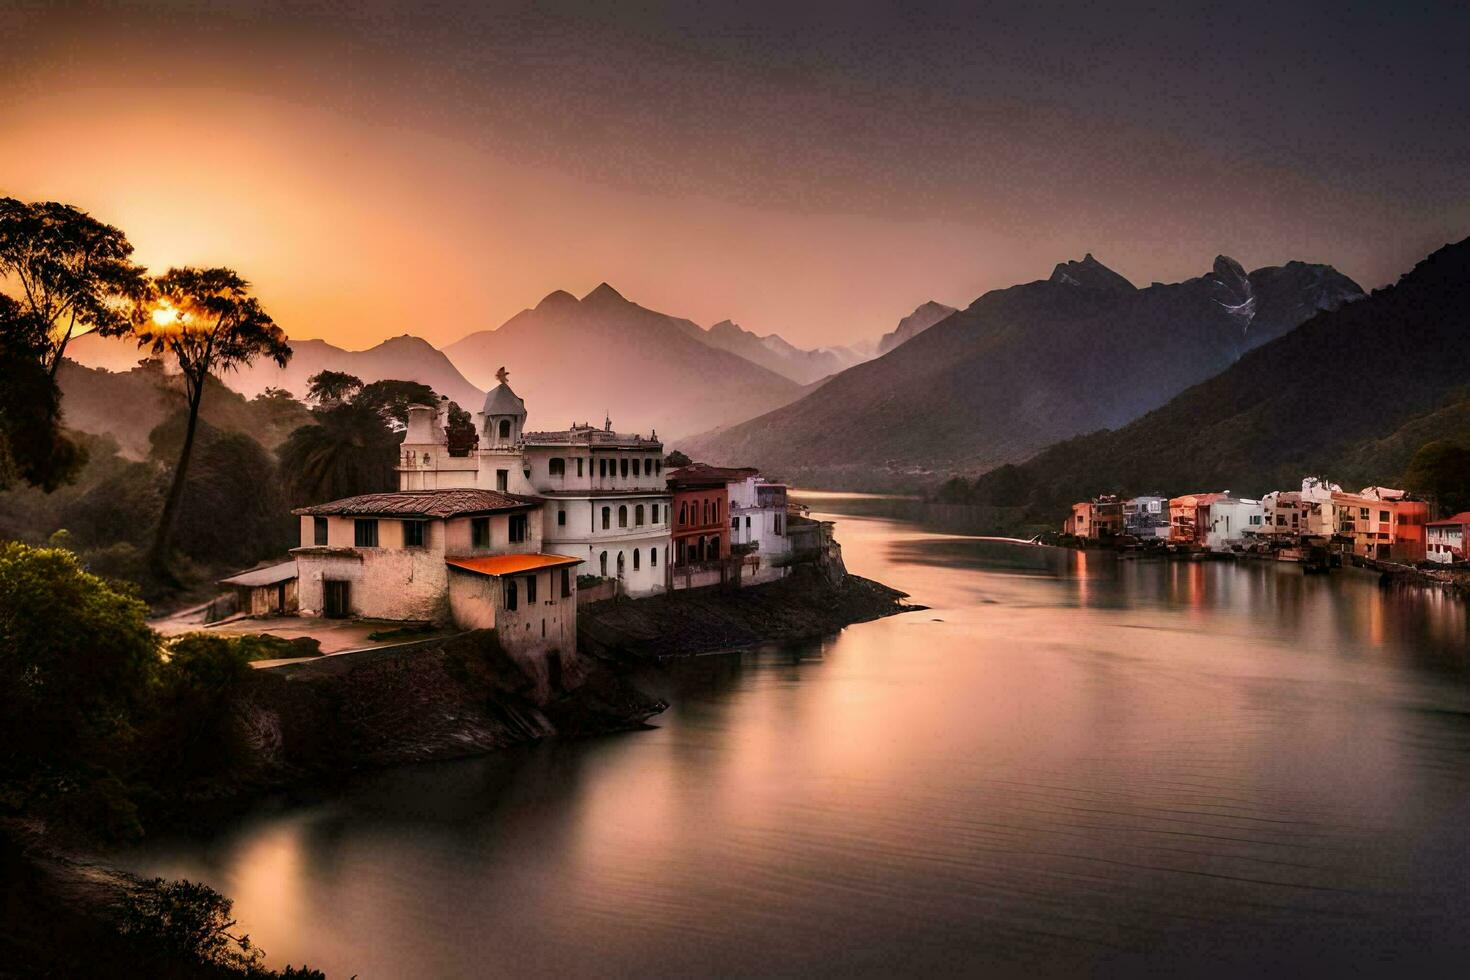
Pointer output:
267, 591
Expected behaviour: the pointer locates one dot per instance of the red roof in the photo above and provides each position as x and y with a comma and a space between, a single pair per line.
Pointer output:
511, 564
424, 503
1463, 517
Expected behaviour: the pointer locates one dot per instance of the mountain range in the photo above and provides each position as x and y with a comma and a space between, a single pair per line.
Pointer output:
580, 359
924, 317
1023, 367
1351, 394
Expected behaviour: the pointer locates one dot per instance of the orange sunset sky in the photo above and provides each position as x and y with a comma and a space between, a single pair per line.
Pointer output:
376, 170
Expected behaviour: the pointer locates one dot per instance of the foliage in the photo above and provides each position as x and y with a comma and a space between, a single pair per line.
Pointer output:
33, 448
1440, 471
346, 451
75, 273
76, 659
328, 388
391, 399
207, 320
169, 924
675, 459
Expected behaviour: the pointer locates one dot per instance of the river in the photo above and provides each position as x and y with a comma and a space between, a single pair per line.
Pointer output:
1067, 763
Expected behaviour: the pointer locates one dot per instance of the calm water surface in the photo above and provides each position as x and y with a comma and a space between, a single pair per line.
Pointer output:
1068, 763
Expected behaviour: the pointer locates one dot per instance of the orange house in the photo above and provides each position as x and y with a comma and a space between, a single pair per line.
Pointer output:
700, 511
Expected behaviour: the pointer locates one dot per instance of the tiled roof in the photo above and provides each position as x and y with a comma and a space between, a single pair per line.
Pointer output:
511, 564
1463, 517
423, 503
702, 473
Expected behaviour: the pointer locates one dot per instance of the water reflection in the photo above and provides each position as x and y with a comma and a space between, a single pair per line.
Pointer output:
1068, 762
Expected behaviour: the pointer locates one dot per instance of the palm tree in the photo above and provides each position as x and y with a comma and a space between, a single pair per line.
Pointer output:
346, 451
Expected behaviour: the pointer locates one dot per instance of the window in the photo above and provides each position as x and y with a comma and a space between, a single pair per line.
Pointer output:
505, 428
606, 518
557, 466
365, 533
602, 467
636, 461
621, 563
635, 559
579, 465
530, 589
780, 526
414, 533
747, 522
510, 593
518, 526
658, 466
602, 564
623, 516
679, 552
653, 557
502, 480
683, 513
734, 523
1363, 513
653, 518
624, 467
648, 466
319, 531
479, 532
566, 583
1383, 516
638, 515
561, 517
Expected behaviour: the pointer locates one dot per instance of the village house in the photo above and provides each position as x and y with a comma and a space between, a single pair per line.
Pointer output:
1189, 521
1284, 516
700, 502
1096, 519
468, 557
1146, 517
606, 499
1382, 523
758, 527
1445, 540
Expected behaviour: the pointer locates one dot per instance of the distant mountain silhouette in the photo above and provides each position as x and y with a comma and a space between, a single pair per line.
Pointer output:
402, 358
924, 317
776, 354
1352, 393
1023, 367
574, 360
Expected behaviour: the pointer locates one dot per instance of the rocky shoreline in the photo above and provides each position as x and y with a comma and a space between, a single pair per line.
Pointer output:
805, 606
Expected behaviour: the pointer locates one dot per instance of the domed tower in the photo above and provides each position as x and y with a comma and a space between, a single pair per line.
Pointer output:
503, 417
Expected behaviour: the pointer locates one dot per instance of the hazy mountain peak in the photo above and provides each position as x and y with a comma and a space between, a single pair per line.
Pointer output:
1089, 273
604, 294
557, 299
925, 315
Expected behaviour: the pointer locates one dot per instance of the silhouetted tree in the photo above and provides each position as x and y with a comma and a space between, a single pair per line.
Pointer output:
74, 273
676, 459
209, 322
33, 448
328, 388
391, 399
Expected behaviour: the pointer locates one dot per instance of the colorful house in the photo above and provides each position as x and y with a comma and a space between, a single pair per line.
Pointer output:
1445, 540
1146, 517
1189, 518
1098, 518
700, 508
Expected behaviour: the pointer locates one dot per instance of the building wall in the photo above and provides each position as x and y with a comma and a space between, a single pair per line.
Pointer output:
402, 584
541, 635
694, 504
1230, 520
583, 536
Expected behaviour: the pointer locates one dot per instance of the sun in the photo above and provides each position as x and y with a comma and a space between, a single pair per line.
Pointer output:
165, 314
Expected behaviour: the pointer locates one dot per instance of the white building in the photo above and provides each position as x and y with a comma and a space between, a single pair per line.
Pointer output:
758, 526
1147, 517
1230, 519
607, 503
468, 556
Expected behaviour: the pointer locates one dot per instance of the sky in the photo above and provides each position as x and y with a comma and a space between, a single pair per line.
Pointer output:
816, 170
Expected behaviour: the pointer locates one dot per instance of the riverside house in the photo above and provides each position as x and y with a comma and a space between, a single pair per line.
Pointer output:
1096, 519
1445, 540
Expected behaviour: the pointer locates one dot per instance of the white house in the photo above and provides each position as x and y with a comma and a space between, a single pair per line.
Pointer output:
1230, 519
606, 501
758, 526
1146, 517
466, 556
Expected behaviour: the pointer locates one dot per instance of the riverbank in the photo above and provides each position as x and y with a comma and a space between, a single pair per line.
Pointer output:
804, 606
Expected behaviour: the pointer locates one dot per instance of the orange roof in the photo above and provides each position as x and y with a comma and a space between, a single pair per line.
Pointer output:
511, 564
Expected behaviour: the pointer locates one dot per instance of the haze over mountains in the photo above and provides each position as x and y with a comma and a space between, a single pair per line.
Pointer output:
1023, 367
924, 317
775, 354
1351, 394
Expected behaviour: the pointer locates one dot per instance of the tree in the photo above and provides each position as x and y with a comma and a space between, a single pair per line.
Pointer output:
329, 388
76, 659
676, 459
74, 272
209, 322
1440, 470
391, 399
33, 447
347, 450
